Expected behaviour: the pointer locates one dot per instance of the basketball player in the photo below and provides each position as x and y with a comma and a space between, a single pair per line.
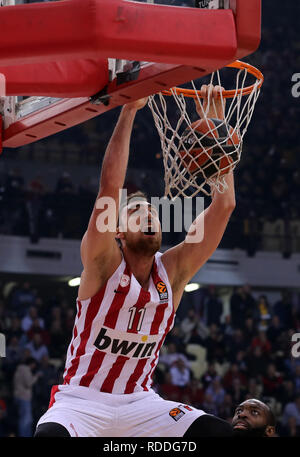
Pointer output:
127, 299
253, 418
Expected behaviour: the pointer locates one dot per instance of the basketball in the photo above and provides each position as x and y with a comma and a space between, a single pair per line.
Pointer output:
209, 145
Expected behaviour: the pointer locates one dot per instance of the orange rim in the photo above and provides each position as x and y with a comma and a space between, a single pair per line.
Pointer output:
225, 93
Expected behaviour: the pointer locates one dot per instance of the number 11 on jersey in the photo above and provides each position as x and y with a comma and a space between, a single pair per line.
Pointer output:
136, 318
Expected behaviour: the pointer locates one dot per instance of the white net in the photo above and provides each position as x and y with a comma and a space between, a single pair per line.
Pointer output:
199, 147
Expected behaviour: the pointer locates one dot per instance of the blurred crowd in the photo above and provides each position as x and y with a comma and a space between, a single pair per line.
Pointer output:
267, 216
212, 359
32, 210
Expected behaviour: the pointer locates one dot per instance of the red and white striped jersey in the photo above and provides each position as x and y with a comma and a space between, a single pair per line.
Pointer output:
118, 333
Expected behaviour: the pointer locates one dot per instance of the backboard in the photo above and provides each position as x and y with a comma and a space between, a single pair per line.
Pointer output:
124, 50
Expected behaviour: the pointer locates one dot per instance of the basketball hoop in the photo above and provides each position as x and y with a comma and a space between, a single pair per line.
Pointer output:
174, 116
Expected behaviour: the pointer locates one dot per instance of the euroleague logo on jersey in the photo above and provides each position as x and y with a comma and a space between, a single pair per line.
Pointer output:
162, 290
177, 413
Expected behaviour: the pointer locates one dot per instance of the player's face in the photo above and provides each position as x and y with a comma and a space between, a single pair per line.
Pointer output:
141, 229
251, 418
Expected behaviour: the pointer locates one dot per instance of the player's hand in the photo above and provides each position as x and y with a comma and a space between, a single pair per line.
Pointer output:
212, 104
137, 104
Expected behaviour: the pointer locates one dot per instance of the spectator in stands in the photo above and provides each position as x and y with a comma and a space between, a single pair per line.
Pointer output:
291, 429
172, 355
53, 314
236, 344
264, 313
297, 379
68, 320
226, 409
193, 329
22, 297
24, 379
240, 361
262, 341
237, 391
30, 317
13, 353
188, 325
216, 391
214, 345
272, 381
180, 373
256, 362
288, 392
232, 373
195, 393
36, 328
58, 340
37, 348
254, 388
168, 390
274, 332
212, 307
292, 409
15, 330
283, 309
209, 375
249, 330
209, 405
242, 305
42, 388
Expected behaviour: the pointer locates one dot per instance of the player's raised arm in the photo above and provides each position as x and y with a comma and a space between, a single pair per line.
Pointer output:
184, 260
99, 252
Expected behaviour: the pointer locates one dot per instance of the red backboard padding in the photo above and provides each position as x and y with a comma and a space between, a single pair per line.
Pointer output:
75, 29
62, 79
186, 43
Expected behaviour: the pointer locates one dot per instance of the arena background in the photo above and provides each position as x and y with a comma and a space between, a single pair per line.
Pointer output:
232, 338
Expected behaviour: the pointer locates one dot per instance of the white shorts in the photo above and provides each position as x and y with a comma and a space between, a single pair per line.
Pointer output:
85, 412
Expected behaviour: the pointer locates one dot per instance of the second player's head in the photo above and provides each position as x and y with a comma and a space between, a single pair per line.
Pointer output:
253, 418
139, 227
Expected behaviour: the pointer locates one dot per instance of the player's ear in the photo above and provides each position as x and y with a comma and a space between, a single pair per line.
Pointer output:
270, 431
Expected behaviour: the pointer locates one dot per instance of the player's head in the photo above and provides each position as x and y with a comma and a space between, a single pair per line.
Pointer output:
139, 227
253, 418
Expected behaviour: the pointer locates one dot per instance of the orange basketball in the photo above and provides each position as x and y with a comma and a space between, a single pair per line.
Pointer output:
209, 155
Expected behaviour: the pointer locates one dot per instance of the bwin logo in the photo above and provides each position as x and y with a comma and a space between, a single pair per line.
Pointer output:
123, 347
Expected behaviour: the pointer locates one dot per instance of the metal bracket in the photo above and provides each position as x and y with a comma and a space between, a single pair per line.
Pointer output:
8, 110
123, 71
101, 97
130, 73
